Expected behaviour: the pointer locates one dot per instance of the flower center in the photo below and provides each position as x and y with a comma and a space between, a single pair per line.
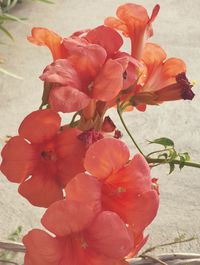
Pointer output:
48, 155
125, 75
84, 243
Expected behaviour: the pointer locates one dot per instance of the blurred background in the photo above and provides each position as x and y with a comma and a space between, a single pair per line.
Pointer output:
177, 30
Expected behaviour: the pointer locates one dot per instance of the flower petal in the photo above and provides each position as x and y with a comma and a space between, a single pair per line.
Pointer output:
121, 190
66, 216
173, 66
85, 189
107, 38
134, 177
131, 12
41, 190
71, 152
116, 24
144, 210
139, 242
42, 248
153, 55
40, 126
86, 58
61, 72
18, 159
68, 99
108, 235
109, 81
45, 37
105, 157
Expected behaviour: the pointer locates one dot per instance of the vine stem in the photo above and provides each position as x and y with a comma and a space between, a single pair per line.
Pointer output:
149, 159
176, 162
154, 259
73, 119
127, 130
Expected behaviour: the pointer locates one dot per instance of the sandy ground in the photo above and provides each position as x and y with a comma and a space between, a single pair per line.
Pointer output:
177, 30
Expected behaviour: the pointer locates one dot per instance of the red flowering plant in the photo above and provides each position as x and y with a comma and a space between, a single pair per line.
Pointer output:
99, 199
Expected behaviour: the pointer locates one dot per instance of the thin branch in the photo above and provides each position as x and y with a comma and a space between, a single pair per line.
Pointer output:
127, 130
167, 244
157, 260
158, 151
73, 119
175, 161
12, 246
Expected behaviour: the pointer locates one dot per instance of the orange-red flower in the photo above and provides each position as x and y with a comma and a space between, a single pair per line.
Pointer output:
46, 37
135, 23
43, 158
104, 36
76, 84
126, 185
86, 66
84, 235
163, 79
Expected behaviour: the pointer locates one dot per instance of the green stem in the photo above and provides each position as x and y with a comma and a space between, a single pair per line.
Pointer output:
158, 151
127, 130
149, 159
176, 162
73, 119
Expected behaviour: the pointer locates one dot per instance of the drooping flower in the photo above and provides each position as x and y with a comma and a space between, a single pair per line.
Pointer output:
126, 185
163, 79
85, 68
73, 88
134, 22
42, 158
84, 235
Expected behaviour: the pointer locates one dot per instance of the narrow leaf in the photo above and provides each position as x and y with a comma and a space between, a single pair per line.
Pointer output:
172, 167
163, 141
12, 18
6, 32
46, 1
182, 161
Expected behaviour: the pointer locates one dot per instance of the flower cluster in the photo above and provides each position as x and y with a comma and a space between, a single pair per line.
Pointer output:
99, 200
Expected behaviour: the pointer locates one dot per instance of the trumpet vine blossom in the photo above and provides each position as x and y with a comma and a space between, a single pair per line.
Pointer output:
99, 198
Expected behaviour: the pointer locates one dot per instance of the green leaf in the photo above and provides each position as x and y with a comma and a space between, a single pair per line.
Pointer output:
15, 236
182, 161
172, 154
6, 32
163, 141
186, 156
172, 167
12, 18
163, 155
46, 1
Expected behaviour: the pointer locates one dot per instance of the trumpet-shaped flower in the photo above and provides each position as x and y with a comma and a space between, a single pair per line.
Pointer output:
134, 23
85, 68
103, 36
74, 88
42, 158
84, 235
163, 79
126, 185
